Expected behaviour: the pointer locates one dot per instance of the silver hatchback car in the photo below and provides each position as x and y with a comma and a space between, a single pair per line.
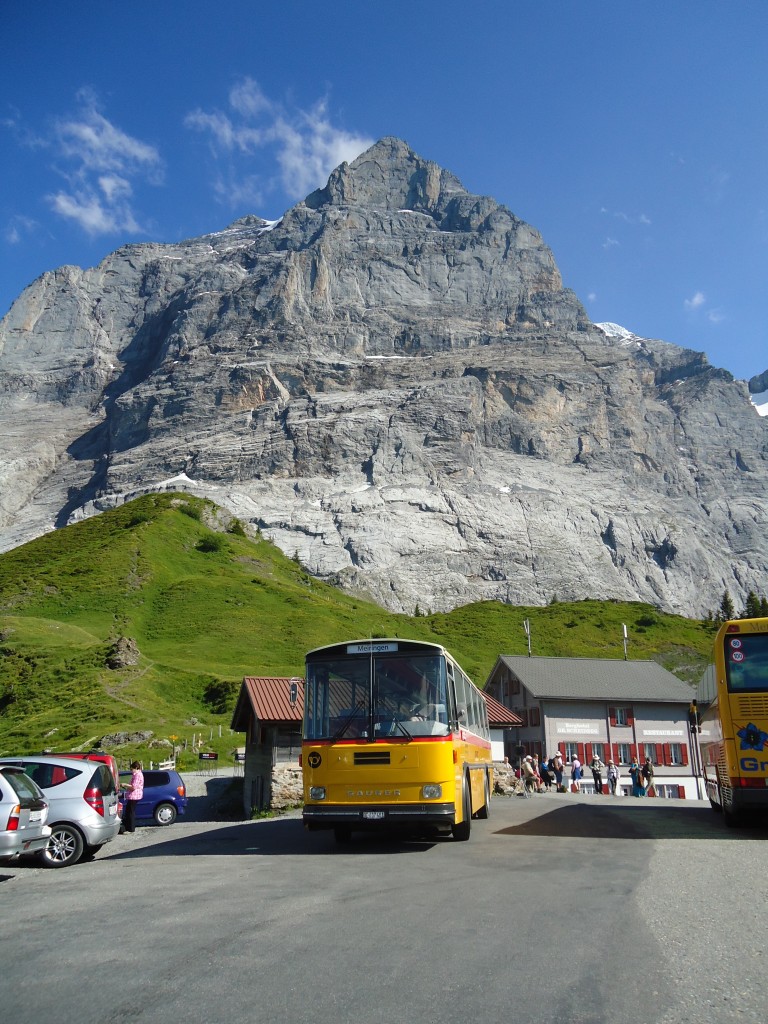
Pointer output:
23, 813
82, 801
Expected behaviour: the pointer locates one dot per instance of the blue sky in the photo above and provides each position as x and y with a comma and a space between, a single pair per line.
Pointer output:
633, 135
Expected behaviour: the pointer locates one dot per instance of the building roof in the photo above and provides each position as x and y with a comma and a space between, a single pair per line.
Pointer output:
268, 699
597, 679
499, 716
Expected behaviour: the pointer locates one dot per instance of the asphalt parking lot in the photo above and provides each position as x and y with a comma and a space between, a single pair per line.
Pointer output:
578, 909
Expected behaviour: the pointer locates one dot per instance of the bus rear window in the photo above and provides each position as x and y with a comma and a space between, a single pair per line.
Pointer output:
746, 662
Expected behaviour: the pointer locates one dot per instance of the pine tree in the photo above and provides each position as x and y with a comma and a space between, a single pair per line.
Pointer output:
726, 607
752, 607
763, 607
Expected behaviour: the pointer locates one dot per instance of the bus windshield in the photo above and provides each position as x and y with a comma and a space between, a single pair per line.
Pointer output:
384, 696
746, 662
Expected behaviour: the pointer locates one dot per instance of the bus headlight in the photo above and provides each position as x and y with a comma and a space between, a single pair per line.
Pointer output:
432, 791
317, 792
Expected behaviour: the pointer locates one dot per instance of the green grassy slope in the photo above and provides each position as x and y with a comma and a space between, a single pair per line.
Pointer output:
206, 607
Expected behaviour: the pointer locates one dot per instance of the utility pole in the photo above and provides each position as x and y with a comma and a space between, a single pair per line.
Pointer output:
624, 629
527, 628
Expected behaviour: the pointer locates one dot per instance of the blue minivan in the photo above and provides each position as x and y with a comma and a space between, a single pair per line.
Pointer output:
165, 795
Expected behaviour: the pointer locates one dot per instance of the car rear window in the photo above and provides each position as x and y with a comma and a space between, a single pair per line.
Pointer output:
103, 780
49, 775
23, 785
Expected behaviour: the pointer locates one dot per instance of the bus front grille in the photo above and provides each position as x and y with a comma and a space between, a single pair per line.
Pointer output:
753, 705
371, 757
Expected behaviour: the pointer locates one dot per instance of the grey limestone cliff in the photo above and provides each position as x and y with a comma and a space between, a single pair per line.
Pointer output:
391, 382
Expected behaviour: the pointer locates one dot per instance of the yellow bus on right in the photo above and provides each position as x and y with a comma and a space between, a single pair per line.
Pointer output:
733, 732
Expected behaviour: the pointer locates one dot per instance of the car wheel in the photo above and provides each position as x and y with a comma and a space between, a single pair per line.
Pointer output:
65, 847
165, 814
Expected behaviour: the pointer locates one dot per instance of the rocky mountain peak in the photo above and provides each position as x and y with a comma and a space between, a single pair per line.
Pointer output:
392, 383
390, 176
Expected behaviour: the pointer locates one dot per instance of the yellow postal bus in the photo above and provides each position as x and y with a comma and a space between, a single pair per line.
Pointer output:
395, 735
734, 720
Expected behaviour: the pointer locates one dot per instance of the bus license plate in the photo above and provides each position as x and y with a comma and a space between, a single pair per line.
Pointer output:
373, 815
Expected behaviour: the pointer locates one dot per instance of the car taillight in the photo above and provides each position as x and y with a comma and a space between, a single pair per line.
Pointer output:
181, 790
13, 820
95, 799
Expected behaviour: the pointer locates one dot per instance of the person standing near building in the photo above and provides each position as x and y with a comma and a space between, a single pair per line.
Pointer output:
636, 773
596, 766
576, 774
647, 771
557, 768
134, 791
530, 777
613, 777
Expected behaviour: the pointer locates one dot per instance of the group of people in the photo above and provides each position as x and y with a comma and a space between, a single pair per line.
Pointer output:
642, 777
539, 777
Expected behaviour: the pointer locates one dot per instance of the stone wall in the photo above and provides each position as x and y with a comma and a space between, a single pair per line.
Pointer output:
287, 788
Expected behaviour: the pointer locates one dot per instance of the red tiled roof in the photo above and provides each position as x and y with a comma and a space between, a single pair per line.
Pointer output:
498, 715
268, 698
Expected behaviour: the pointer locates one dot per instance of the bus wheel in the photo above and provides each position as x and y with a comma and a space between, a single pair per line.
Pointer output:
343, 834
485, 810
463, 829
732, 818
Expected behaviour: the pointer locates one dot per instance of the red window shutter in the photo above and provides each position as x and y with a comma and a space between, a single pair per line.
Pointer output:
659, 755
612, 716
615, 752
667, 754
580, 749
630, 716
684, 750
588, 752
681, 792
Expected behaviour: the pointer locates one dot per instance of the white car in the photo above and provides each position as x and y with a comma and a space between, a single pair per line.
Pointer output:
82, 802
23, 813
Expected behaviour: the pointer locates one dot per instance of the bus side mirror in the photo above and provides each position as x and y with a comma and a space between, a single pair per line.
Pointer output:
461, 713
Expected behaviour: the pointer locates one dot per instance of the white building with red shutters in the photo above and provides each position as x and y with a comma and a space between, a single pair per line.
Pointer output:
622, 710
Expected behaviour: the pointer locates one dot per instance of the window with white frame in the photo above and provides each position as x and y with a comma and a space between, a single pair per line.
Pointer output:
649, 750
622, 716
667, 792
571, 751
676, 753
625, 753
598, 750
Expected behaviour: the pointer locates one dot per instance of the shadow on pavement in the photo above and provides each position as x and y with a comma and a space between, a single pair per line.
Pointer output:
651, 820
273, 838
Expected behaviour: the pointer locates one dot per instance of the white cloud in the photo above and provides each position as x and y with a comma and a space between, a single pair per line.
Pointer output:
609, 243
18, 227
698, 303
99, 163
95, 214
626, 218
305, 144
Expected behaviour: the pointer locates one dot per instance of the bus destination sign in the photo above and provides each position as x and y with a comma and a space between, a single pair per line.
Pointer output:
371, 648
